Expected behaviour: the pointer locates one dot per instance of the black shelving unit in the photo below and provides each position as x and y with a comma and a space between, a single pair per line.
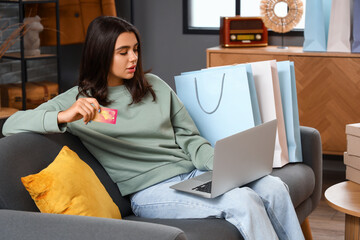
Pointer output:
20, 55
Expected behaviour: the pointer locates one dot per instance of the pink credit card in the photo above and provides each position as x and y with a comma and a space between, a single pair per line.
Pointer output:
107, 115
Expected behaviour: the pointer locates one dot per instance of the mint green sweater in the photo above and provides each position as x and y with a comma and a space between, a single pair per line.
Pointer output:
150, 142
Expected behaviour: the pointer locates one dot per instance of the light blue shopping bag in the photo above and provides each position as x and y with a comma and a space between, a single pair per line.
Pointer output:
219, 100
356, 27
317, 18
252, 88
327, 13
287, 82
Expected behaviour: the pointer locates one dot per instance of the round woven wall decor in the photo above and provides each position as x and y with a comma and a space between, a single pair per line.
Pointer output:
273, 20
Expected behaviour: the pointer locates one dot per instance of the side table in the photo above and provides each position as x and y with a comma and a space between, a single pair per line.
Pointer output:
345, 197
4, 114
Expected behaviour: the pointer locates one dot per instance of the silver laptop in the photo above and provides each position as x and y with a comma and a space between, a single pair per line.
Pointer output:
238, 160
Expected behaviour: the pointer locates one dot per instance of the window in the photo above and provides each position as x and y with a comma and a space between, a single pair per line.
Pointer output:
203, 16
206, 13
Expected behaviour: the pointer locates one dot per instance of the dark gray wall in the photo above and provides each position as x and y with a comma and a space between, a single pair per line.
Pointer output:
123, 9
167, 51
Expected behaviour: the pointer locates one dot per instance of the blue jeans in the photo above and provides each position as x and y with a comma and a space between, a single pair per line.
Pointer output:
259, 210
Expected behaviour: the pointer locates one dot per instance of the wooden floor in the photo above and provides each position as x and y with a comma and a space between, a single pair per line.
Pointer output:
325, 222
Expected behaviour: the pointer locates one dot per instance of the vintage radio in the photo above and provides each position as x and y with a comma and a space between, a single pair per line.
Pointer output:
242, 32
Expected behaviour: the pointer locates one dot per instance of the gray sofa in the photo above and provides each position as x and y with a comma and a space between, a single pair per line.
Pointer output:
28, 153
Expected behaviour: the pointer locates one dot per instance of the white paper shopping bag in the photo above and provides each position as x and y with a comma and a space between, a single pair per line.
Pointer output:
269, 97
339, 38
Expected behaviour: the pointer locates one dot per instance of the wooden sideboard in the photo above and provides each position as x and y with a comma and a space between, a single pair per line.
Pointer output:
328, 86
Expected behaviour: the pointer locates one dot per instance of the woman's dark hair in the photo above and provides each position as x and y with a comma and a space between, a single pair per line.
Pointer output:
97, 57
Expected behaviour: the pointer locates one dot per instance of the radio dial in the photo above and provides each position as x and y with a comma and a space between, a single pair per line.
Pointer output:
233, 37
258, 36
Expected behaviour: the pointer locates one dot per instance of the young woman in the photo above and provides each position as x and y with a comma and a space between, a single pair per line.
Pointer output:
154, 143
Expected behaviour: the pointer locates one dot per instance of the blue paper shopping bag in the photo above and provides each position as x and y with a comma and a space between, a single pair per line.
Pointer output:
218, 100
317, 17
252, 88
356, 27
287, 82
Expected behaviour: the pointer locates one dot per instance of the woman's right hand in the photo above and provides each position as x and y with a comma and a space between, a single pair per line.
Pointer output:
85, 108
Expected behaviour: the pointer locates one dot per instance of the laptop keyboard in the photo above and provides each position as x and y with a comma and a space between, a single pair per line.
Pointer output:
206, 187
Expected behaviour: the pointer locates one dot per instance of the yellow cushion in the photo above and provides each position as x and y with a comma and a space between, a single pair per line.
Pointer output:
69, 186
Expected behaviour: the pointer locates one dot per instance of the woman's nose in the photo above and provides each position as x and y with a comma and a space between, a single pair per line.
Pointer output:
133, 56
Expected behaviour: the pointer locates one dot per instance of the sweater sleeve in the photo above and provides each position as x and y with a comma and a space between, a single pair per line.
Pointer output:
188, 137
42, 119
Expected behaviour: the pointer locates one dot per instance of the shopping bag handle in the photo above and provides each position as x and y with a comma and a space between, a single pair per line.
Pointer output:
218, 104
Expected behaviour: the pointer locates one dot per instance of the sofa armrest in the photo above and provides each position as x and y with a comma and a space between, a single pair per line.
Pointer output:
312, 156
35, 226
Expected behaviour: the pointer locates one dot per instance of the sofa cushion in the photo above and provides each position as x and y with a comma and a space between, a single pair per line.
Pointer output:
69, 186
30, 153
299, 178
